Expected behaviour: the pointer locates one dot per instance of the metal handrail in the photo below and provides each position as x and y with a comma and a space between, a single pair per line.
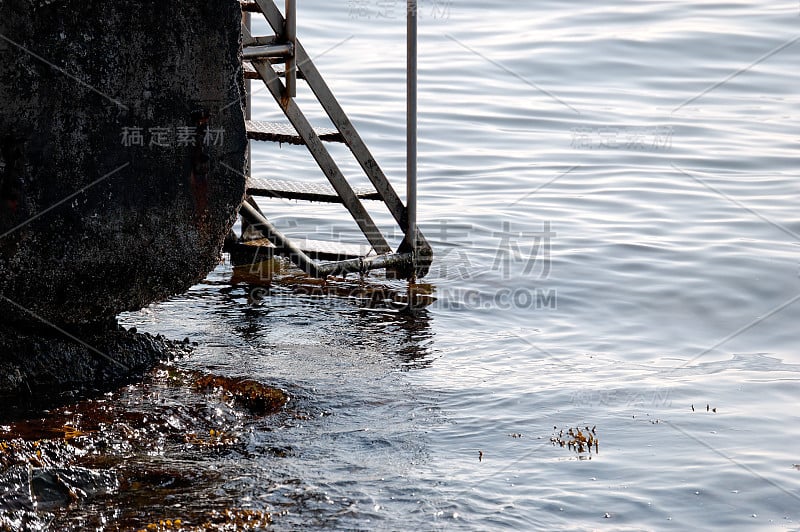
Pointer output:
290, 36
411, 126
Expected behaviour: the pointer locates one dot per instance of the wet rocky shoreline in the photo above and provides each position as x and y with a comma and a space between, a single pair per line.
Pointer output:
135, 457
42, 364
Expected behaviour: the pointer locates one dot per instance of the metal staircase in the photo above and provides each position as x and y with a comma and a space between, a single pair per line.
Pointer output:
259, 56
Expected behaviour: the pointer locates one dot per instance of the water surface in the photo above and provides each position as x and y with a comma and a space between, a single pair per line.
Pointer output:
611, 194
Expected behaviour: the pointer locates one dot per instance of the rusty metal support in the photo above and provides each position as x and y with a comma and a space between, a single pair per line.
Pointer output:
285, 247
283, 244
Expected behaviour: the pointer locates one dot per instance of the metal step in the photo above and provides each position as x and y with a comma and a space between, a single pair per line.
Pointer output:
324, 250
316, 249
321, 192
249, 6
257, 40
250, 72
285, 133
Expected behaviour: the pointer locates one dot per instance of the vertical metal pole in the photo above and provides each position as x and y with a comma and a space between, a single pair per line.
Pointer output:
291, 37
248, 111
411, 123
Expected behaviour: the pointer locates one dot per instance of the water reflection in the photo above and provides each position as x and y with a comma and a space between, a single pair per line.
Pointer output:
375, 313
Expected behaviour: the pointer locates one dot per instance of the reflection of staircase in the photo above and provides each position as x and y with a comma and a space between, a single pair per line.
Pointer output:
259, 56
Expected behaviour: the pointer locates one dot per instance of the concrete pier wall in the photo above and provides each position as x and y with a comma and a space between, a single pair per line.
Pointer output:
122, 150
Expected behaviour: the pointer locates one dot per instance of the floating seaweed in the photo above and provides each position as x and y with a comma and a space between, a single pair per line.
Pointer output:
581, 440
229, 519
256, 397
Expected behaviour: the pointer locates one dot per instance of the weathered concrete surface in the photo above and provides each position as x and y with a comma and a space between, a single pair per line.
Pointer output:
90, 227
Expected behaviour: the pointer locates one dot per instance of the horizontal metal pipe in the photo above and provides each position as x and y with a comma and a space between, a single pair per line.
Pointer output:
361, 265
274, 50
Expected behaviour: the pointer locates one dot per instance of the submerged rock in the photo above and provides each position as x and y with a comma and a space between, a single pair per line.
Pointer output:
55, 487
122, 147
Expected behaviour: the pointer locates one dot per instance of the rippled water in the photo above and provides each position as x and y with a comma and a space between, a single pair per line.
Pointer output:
611, 193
